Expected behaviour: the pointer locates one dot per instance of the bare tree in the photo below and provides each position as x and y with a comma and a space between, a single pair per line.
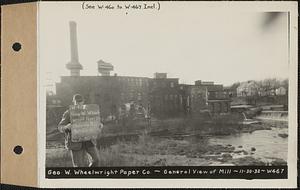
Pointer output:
285, 84
270, 85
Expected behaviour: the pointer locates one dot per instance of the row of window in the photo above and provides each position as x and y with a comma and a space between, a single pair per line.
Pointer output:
219, 107
169, 84
135, 81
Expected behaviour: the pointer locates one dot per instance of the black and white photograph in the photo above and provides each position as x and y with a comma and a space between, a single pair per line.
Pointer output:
165, 85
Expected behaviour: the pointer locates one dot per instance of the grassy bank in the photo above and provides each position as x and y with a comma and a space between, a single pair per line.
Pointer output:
150, 151
165, 143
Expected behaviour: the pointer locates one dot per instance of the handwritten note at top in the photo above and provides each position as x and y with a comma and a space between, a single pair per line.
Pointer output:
125, 6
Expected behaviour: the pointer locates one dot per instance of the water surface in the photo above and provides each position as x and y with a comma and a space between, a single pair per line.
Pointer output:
267, 143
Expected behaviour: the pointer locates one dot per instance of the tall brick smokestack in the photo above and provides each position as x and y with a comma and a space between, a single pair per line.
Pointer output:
74, 66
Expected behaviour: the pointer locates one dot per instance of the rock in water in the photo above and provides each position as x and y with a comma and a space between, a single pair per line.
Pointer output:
238, 151
283, 135
253, 149
226, 155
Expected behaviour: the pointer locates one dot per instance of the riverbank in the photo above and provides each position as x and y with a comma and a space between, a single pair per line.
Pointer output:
175, 127
183, 142
156, 151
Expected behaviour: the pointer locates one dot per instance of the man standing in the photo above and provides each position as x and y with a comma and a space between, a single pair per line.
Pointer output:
79, 150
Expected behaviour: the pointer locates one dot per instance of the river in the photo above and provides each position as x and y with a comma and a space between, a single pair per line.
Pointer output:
267, 143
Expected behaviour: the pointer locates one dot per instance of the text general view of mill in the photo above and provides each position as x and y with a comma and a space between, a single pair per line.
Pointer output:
113, 120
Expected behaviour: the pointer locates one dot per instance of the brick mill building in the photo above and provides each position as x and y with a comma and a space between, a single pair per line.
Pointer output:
162, 95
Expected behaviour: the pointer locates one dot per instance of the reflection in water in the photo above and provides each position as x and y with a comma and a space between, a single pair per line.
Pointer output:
266, 142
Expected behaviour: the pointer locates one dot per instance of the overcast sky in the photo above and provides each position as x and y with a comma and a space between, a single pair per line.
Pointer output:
184, 39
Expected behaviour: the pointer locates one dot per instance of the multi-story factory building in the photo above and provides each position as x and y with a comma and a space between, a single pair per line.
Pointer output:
207, 96
109, 92
165, 95
162, 96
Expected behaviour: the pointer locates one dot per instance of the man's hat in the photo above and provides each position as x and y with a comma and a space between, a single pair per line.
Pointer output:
77, 98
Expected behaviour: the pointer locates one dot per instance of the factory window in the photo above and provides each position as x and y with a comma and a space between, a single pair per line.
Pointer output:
225, 107
171, 97
166, 97
156, 98
106, 97
172, 84
139, 96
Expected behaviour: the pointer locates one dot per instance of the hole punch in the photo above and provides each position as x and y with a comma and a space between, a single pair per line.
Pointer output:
18, 149
17, 46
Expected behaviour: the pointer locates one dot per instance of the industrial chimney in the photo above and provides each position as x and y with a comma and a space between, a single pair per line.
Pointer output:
74, 66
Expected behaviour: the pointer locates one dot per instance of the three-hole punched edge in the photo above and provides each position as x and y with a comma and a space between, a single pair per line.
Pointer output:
17, 47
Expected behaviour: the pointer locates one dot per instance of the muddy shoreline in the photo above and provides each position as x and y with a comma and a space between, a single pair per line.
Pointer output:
186, 143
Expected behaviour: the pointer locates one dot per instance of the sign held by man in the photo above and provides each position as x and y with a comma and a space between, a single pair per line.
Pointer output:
85, 120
